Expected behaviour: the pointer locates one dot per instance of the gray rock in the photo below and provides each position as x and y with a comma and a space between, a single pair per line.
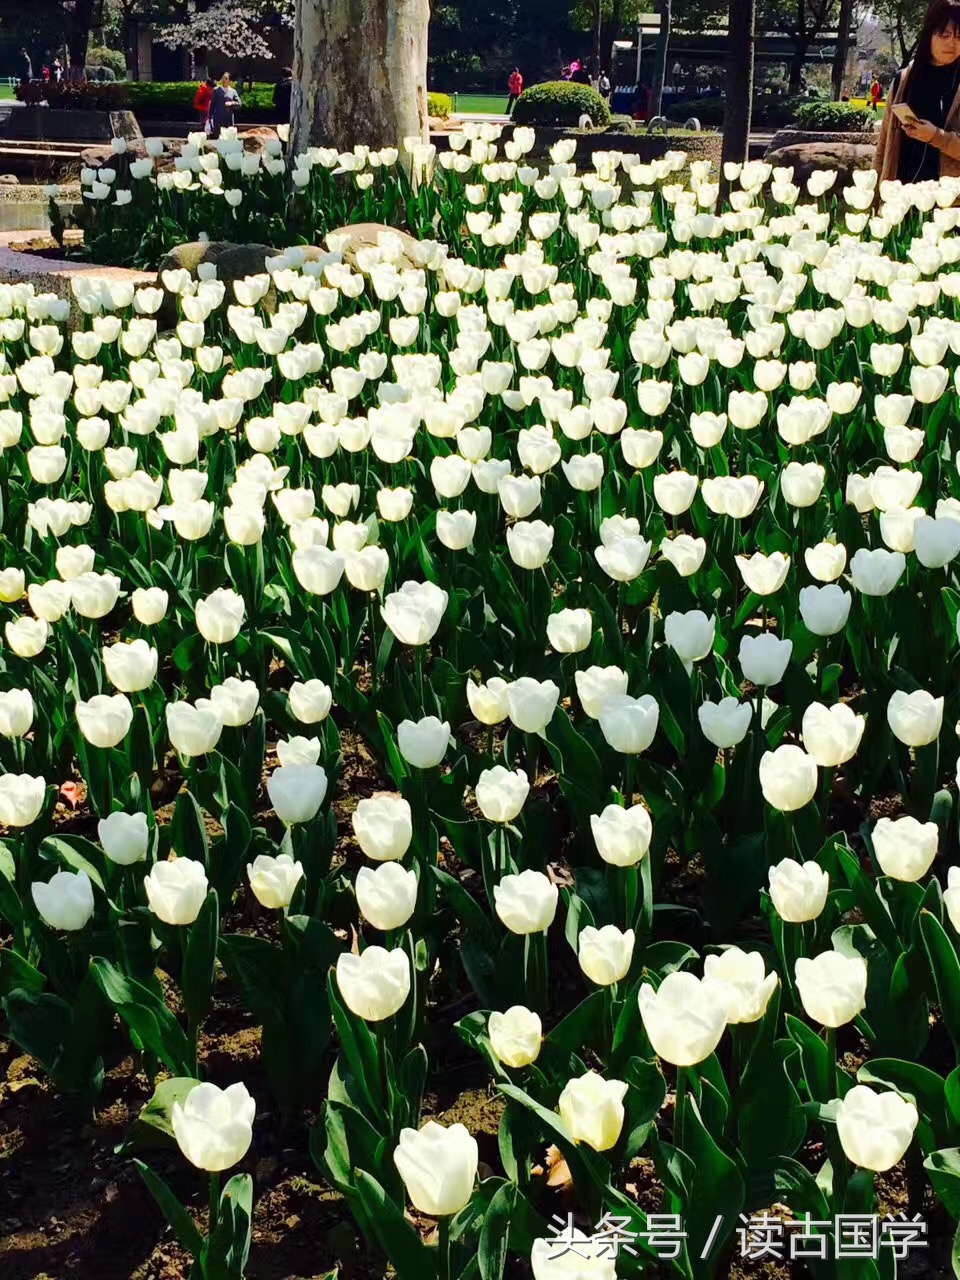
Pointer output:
361, 235
805, 157
9, 180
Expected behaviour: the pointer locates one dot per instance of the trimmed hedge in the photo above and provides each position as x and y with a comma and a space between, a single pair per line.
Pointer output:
145, 95
76, 95
439, 105
558, 102
833, 117
767, 110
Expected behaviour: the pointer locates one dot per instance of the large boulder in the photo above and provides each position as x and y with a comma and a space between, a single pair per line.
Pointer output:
364, 235
233, 261
805, 157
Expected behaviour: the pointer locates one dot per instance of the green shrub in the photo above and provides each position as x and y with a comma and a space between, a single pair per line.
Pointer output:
832, 117
76, 95
439, 105
100, 56
102, 75
768, 110
558, 102
157, 97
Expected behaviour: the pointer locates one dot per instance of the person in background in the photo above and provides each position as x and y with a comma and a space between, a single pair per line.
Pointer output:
579, 74
876, 92
202, 99
224, 102
515, 87
925, 146
604, 87
283, 95
57, 70
26, 73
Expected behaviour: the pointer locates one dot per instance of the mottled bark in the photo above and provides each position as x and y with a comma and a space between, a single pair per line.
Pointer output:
359, 72
739, 82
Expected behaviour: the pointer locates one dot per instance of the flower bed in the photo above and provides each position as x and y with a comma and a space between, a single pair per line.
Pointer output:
527, 651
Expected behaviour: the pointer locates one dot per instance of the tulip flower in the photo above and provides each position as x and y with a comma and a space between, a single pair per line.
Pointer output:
915, 718
596, 685
526, 902
176, 890
193, 729
219, 616
875, 1129
826, 561
831, 735
65, 901
798, 890
16, 712
438, 1167
684, 1017
309, 701
905, 848
414, 612
725, 723
274, 880
21, 799
592, 1110
629, 725
130, 666
383, 825
832, 987
214, 1127
516, 1036
149, 605
587, 1255
571, 630
104, 720
747, 989
386, 895
297, 791
622, 836
374, 984
690, 635
788, 778
764, 658
423, 743
124, 837
605, 954
531, 703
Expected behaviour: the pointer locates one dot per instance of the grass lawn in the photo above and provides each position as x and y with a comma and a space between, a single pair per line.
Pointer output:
6, 93
482, 103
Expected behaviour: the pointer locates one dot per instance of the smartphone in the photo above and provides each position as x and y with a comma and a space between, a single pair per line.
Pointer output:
905, 113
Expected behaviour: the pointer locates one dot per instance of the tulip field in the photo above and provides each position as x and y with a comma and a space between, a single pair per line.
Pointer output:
523, 652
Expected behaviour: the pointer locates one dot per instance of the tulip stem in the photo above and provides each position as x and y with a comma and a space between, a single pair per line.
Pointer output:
214, 1202
826, 794
830, 1035
443, 1245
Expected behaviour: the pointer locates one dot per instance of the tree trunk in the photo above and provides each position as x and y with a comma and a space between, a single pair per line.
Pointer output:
359, 73
843, 48
797, 63
78, 38
739, 99
660, 60
613, 34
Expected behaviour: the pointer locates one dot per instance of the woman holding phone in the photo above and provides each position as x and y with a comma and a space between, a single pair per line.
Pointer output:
920, 134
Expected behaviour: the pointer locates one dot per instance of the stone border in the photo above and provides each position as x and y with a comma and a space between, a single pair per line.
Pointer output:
50, 275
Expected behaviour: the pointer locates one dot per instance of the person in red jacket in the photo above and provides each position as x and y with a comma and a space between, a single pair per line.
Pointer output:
515, 85
201, 102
